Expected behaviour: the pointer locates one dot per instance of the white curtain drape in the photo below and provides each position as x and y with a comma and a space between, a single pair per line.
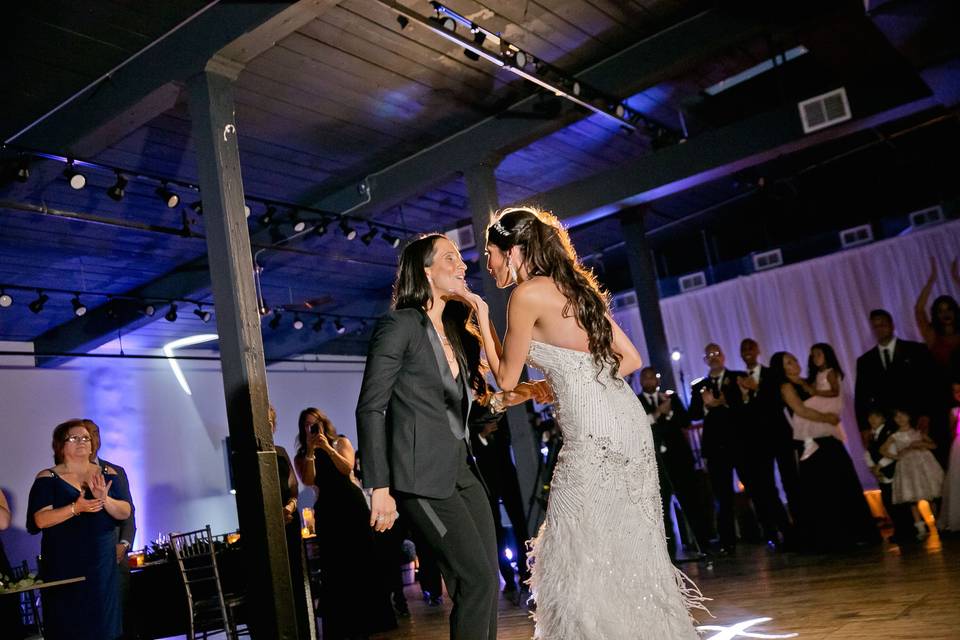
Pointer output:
822, 300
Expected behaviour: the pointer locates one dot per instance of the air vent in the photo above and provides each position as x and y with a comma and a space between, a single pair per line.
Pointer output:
825, 110
462, 237
926, 217
624, 300
856, 236
693, 281
767, 260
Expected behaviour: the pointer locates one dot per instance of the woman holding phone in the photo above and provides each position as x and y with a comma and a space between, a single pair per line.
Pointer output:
353, 602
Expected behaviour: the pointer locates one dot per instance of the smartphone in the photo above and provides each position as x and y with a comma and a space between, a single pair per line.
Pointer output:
315, 428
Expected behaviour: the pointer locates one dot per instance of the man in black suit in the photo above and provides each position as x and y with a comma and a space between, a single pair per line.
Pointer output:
895, 373
716, 399
883, 469
126, 531
412, 425
675, 463
768, 439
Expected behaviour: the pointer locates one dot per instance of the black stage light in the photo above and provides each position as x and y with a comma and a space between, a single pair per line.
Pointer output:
119, 188
23, 169
77, 179
390, 239
275, 320
339, 327
368, 237
268, 216
197, 207
171, 315
148, 309
79, 308
348, 232
203, 315
37, 305
5, 299
169, 198
403, 21
318, 325
321, 227
297, 322
298, 224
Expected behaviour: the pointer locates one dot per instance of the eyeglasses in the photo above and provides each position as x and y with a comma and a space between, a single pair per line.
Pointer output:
713, 354
77, 439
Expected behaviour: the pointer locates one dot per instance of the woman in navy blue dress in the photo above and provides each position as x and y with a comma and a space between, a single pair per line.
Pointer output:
77, 506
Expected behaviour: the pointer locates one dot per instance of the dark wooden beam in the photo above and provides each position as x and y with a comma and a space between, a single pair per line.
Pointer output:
254, 461
705, 158
173, 59
642, 65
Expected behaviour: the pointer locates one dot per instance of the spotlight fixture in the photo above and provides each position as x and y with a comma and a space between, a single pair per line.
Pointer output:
478, 38
318, 325
37, 305
169, 198
79, 309
246, 210
298, 224
23, 169
275, 320
171, 315
339, 327
368, 237
5, 299
390, 239
321, 227
197, 207
297, 322
77, 180
203, 315
521, 60
118, 189
403, 21
676, 354
268, 215
348, 232
148, 309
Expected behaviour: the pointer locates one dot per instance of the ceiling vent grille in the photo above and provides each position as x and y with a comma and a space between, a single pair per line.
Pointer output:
926, 217
693, 281
767, 260
624, 300
825, 110
855, 236
462, 237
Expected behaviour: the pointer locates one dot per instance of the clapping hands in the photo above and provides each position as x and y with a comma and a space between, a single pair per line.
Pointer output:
99, 487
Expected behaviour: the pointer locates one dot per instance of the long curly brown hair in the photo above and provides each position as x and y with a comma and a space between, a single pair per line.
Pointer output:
548, 252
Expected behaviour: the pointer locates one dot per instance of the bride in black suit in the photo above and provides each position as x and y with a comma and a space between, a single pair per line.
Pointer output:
422, 388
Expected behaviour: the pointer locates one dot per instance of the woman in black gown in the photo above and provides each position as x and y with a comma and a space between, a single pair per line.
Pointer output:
77, 505
834, 515
353, 601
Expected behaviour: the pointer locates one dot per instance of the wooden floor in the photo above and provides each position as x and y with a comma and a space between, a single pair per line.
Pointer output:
876, 594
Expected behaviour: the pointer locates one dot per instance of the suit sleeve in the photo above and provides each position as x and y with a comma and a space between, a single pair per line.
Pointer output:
128, 528
384, 361
860, 395
680, 416
696, 404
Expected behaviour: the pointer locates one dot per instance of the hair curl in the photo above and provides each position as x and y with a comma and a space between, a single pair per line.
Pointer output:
547, 251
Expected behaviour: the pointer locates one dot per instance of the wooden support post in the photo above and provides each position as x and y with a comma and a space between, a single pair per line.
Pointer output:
270, 612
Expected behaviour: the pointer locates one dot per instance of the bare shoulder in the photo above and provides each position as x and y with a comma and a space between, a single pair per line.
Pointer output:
535, 290
46, 473
344, 441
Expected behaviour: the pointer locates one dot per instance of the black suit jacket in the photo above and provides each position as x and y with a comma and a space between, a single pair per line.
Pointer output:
668, 436
873, 449
907, 382
127, 529
720, 424
403, 419
763, 415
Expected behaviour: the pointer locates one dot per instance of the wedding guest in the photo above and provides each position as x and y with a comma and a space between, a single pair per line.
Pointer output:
834, 512
883, 469
949, 519
941, 333
895, 371
77, 505
918, 475
10, 620
126, 530
715, 399
675, 463
289, 490
767, 439
353, 600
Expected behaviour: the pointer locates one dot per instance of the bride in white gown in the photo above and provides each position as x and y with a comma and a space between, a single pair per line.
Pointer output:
600, 567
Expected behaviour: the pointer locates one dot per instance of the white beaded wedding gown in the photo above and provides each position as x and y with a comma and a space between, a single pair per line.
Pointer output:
599, 565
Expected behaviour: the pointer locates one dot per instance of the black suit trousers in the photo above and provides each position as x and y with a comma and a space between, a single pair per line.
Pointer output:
459, 531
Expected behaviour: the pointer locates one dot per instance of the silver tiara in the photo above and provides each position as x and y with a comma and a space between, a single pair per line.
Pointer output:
500, 229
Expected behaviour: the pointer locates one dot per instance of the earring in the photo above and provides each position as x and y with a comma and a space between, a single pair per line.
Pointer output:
513, 272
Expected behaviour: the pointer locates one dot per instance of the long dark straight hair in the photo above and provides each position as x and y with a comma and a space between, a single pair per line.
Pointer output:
951, 304
548, 252
830, 361
411, 290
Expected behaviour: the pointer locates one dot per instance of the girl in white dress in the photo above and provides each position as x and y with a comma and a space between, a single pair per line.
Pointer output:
918, 475
824, 376
600, 567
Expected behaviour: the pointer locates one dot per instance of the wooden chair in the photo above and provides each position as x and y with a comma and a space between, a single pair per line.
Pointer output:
211, 611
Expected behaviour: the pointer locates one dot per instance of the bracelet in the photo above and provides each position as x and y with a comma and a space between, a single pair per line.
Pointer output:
309, 457
73, 508
496, 403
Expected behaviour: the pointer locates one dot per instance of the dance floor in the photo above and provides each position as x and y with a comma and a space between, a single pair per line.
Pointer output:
876, 594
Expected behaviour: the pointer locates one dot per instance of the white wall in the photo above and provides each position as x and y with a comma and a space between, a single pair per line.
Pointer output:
170, 443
